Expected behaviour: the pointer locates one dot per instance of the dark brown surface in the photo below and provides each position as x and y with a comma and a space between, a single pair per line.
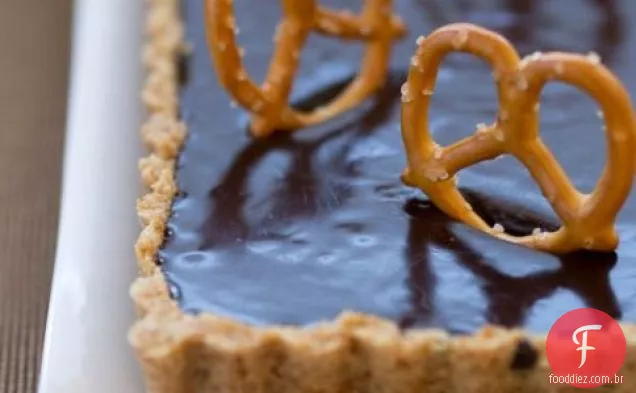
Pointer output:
296, 229
34, 43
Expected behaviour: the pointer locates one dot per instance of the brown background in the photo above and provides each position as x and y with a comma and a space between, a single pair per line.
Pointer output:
34, 58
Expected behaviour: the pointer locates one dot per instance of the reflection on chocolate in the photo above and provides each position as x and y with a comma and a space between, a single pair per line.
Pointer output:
584, 274
525, 22
296, 228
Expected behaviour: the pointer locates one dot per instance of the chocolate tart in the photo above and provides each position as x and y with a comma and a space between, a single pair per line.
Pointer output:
300, 263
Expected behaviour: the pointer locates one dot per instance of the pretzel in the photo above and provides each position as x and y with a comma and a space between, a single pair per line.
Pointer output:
376, 25
588, 219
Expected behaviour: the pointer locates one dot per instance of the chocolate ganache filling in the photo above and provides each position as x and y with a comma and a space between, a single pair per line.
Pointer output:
294, 229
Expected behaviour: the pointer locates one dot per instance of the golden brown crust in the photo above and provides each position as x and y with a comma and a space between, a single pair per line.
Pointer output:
269, 102
181, 353
588, 219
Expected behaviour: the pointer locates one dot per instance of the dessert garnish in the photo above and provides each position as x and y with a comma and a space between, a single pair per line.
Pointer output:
588, 219
377, 26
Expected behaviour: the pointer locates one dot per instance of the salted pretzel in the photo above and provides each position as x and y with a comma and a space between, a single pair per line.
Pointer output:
376, 25
588, 219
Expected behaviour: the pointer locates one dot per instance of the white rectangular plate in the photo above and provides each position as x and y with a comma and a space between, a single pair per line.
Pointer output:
90, 311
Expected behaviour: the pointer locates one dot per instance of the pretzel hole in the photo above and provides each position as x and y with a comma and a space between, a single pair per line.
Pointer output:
316, 77
257, 52
572, 127
518, 217
464, 96
501, 191
350, 6
314, 98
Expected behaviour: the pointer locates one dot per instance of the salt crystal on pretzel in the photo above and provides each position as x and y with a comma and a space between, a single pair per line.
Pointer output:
588, 219
376, 25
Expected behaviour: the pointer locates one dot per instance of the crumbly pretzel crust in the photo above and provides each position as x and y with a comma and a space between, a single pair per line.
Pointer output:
181, 353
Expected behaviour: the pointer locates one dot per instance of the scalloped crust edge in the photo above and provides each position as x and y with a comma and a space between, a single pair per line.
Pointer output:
353, 353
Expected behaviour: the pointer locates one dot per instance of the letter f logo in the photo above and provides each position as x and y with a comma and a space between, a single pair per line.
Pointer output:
583, 345
608, 346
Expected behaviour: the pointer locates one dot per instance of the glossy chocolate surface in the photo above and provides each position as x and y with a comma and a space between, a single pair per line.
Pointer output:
295, 229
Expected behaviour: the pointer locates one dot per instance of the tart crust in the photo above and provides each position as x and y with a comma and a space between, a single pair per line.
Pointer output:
353, 353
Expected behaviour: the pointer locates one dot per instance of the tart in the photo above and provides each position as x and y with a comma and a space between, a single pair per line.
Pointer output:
301, 262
